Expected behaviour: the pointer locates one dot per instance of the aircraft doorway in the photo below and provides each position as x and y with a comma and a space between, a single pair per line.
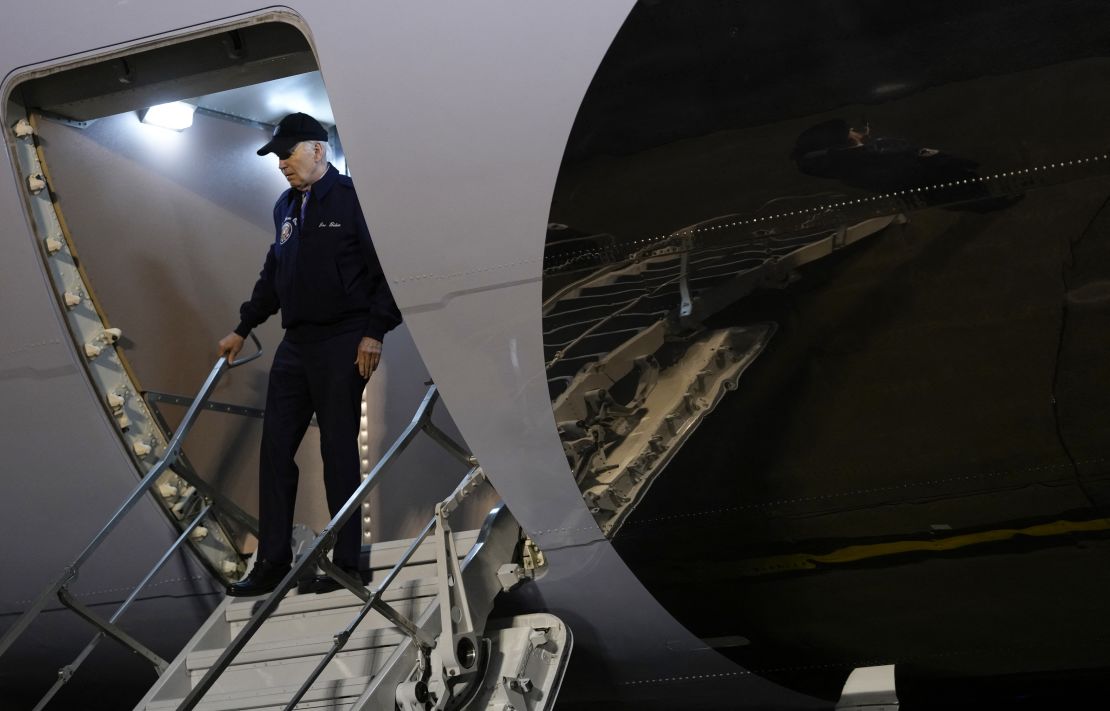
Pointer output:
160, 232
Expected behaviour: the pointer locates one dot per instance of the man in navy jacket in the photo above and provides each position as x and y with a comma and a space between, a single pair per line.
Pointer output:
324, 276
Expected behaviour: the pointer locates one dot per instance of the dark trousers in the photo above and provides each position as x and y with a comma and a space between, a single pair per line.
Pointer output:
318, 377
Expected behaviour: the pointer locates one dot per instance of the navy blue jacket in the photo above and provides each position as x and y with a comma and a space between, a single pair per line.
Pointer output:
323, 274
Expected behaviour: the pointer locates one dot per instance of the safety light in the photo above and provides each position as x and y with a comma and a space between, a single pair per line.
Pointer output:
176, 115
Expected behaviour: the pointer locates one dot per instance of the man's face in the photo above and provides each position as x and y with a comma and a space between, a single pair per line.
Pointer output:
300, 165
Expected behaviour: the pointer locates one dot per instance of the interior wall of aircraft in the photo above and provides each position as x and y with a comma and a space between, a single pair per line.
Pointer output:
175, 224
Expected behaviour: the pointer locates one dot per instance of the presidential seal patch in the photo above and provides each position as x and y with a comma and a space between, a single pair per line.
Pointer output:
286, 231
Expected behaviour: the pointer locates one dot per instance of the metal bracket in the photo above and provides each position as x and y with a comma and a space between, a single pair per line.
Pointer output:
534, 558
112, 631
460, 654
65, 120
151, 397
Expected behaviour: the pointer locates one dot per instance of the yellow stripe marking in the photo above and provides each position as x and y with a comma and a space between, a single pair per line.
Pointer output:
850, 554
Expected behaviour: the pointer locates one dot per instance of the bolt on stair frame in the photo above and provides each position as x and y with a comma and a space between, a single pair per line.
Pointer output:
59, 587
323, 543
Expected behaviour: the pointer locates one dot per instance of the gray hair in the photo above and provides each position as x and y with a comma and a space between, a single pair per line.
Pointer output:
323, 146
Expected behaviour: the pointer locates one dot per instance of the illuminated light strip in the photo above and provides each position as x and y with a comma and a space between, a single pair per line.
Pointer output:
852, 554
108, 370
364, 465
884, 196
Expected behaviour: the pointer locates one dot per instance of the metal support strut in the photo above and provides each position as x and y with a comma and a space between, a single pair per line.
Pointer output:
59, 588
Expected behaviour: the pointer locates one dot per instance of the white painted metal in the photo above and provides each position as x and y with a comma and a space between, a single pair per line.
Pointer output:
529, 654
869, 689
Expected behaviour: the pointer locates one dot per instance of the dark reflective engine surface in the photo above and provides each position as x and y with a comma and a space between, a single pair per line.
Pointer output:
827, 318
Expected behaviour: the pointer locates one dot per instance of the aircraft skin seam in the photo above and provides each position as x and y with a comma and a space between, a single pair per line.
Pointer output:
691, 677
738, 223
565, 530
1098, 640
454, 275
29, 347
127, 589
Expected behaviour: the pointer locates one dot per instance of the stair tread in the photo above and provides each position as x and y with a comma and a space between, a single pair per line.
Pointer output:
271, 697
267, 674
270, 669
390, 551
330, 620
338, 599
318, 645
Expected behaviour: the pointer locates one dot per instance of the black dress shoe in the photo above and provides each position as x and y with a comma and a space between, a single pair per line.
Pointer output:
263, 578
325, 584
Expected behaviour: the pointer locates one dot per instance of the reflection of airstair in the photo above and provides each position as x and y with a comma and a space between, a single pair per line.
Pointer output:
418, 637
632, 371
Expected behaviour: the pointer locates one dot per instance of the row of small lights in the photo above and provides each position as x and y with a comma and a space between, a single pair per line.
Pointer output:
847, 203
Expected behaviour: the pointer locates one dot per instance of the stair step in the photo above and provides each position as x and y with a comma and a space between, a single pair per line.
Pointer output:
314, 617
289, 645
264, 675
335, 694
294, 604
314, 621
384, 555
315, 646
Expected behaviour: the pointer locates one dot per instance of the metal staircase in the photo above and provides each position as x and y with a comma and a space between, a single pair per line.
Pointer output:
271, 669
386, 649
416, 638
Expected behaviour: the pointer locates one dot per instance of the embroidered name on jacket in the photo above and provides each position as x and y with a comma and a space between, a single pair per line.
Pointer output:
330, 224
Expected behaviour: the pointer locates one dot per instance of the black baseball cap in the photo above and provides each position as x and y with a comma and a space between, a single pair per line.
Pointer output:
293, 129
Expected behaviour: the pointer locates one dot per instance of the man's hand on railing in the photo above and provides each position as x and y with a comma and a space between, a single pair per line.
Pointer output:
230, 345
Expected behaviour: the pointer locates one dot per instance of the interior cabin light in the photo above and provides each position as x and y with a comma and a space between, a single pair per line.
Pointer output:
176, 115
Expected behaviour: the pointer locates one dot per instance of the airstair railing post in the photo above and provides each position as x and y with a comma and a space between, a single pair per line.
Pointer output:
172, 448
67, 599
66, 672
453, 448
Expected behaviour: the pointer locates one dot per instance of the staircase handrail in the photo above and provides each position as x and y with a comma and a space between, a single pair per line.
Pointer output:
317, 553
472, 478
169, 456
